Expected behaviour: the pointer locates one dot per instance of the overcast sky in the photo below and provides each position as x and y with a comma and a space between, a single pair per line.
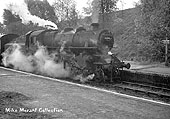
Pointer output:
126, 4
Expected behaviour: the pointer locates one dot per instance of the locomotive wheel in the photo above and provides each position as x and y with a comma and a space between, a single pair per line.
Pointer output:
115, 74
99, 76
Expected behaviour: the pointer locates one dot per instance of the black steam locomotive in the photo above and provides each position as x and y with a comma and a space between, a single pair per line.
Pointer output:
83, 51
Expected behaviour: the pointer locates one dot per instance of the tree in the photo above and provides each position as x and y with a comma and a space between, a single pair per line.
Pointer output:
9, 17
88, 10
13, 24
73, 18
63, 8
42, 9
155, 15
100, 10
66, 13
107, 6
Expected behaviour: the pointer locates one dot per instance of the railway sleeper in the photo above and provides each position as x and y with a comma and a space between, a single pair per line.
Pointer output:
140, 90
148, 87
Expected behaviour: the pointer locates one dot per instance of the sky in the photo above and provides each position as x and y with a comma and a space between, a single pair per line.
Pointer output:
80, 4
126, 4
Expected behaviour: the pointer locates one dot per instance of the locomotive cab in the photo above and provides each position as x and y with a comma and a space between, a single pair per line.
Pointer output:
5, 39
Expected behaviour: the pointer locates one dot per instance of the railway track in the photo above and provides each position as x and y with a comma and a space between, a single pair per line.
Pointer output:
137, 89
144, 90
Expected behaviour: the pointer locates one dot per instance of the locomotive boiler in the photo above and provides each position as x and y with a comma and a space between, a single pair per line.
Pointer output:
82, 51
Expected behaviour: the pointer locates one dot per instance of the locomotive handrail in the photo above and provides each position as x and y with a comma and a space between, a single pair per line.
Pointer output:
82, 47
100, 63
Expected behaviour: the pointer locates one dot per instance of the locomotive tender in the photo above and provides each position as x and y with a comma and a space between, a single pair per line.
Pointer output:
83, 51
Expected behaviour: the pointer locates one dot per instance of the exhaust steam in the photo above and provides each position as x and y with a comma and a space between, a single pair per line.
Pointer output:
39, 63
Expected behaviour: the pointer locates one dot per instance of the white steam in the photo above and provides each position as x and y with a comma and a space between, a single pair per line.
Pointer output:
40, 62
19, 7
17, 59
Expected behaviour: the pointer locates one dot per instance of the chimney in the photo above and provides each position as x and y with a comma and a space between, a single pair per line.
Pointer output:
95, 26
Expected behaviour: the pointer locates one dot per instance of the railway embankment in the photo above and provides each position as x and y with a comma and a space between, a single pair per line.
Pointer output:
155, 74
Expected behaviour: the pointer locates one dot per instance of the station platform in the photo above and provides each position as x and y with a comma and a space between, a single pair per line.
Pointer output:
156, 68
155, 74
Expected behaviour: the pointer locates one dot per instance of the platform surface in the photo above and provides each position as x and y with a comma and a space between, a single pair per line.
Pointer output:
78, 102
149, 68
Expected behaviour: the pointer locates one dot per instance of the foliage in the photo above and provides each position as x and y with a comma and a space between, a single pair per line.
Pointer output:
88, 9
9, 17
154, 26
101, 12
2, 29
142, 36
66, 13
13, 24
63, 13
103, 6
107, 6
73, 16
63, 8
42, 9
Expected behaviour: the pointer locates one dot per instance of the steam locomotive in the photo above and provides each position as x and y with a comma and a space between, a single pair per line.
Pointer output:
83, 51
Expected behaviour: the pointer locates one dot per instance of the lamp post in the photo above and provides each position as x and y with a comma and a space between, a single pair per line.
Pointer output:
166, 42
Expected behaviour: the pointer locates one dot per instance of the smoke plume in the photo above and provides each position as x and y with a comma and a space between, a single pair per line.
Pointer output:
19, 7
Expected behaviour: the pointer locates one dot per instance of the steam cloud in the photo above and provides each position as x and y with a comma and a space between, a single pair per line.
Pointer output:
40, 62
19, 7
